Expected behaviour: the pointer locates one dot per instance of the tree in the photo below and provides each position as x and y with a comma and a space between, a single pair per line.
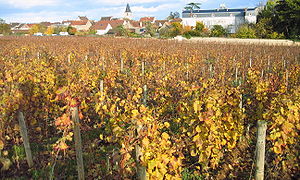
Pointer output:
173, 15
150, 29
218, 31
192, 6
58, 29
71, 30
280, 16
165, 32
37, 28
34, 29
49, 31
176, 29
268, 11
245, 32
4, 28
121, 31
199, 26
2, 21
287, 16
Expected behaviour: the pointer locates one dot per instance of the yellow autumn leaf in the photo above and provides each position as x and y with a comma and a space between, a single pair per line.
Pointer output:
139, 91
287, 127
39, 129
195, 106
193, 153
112, 108
6, 163
1, 145
277, 149
5, 153
198, 129
223, 142
101, 136
104, 107
135, 113
218, 113
298, 126
145, 142
33, 122
167, 125
63, 146
165, 136
282, 110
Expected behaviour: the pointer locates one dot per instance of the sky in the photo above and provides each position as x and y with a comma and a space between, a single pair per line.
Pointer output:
33, 11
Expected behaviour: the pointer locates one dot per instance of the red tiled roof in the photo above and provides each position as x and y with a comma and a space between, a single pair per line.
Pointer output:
68, 21
145, 19
46, 23
135, 23
116, 23
76, 22
113, 23
100, 25
160, 22
30, 25
79, 23
176, 20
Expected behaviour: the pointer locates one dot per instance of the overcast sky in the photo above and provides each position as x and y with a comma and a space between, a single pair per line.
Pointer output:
58, 10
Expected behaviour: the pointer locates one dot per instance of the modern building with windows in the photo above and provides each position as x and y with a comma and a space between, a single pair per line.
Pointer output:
230, 19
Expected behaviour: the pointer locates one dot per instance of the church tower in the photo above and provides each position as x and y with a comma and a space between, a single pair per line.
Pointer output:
127, 13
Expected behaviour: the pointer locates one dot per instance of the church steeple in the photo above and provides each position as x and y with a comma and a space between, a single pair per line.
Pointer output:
128, 9
127, 13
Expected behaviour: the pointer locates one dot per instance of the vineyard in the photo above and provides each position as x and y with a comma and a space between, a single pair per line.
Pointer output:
114, 108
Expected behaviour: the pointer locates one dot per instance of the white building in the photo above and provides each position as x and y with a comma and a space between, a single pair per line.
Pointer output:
230, 19
103, 29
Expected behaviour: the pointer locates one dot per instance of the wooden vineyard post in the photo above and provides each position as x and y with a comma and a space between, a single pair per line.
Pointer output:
287, 79
103, 63
69, 58
107, 155
107, 164
25, 138
283, 63
143, 68
260, 149
141, 170
78, 145
187, 71
102, 87
122, 64
210, 71
269, 63
236, 74
145, 95
164, 68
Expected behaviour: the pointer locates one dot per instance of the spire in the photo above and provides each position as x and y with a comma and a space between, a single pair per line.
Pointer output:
128, 9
